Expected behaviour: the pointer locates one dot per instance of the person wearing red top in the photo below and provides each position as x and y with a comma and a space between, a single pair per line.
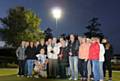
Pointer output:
94, 50
94, 57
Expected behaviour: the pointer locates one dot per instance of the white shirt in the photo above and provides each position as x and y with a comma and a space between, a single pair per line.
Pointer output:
42, 58
102, 52
55, 49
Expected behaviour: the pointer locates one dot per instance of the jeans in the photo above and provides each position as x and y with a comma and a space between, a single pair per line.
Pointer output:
30, 63
101, 70
83, 68
89, 68
95, 68
21, 67
26, 68
73, 61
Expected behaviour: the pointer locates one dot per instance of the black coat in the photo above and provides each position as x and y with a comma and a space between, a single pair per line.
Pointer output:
73, 47
30, 53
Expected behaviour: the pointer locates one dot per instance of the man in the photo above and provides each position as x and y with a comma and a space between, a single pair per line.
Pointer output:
20, 53
52, 51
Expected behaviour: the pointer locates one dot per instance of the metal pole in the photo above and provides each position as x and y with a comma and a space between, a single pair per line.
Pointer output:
56, 23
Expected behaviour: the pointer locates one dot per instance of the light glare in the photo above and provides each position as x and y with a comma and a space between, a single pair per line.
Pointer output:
56, 13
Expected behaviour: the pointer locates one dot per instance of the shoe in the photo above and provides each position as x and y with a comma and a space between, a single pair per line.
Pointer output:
70, 78
92, 79
110, 79
21, 75
36, 76
75, 79
57, 76
101, 80
84, 79
29, 76
18, 75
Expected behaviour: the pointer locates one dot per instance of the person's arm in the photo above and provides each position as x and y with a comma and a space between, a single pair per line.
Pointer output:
111, 51
56, 50
46, 61
17, 52
49, 52
102, 49
77, 46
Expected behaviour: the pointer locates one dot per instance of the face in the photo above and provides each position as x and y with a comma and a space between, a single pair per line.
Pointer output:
54, 41
104, 40
92, 40
36, 43
42, 41
88, 40
26, 44
23, 43
49, 41
42, 51
61, 39
72, 37
31, 44
83, 40
79, 38
98, 40
62, 43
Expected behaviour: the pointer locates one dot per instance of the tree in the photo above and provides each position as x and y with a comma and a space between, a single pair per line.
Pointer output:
48, 33
93, 28
21, 24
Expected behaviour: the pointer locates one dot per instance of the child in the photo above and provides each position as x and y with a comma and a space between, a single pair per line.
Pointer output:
41, 64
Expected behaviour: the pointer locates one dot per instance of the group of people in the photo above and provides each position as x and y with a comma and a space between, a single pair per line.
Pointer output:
66, 58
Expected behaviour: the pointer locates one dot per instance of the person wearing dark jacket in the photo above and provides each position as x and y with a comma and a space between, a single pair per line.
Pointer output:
73, 48
42, 45
63, 59
20, 53
36, 47
30, 53
108, 55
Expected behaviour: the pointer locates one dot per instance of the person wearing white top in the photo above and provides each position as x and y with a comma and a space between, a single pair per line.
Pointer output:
41, 64
53, 50
101, 60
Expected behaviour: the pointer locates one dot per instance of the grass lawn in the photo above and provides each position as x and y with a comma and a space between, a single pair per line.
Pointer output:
10, 75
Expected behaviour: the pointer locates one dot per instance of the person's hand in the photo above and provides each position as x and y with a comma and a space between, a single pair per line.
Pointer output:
70, 53
85, 59
60, 55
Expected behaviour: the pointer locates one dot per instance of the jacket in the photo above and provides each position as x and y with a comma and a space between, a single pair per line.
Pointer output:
94, 51
20, 53
73, 48
30, 53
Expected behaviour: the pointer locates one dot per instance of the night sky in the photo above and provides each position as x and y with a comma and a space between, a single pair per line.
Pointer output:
76, 14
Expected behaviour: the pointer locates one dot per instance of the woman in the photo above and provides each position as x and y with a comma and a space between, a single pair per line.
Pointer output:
63, 59
73, 47
30, 52
108, 55
83, 57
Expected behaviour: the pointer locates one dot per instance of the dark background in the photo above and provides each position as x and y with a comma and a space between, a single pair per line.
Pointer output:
76, 14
